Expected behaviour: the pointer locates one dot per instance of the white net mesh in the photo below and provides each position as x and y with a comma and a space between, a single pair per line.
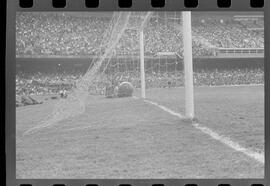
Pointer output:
75, 102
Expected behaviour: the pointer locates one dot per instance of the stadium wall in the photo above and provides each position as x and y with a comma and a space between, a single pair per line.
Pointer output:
66, 64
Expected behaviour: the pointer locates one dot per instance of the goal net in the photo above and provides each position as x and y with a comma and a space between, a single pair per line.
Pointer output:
143, 48
75, 102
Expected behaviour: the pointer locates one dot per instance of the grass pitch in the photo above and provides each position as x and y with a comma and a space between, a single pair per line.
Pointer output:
128, 138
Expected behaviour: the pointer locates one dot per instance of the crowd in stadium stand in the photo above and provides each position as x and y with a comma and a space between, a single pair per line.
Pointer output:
68, 35
230, 34
44, 83
52, 83
201, 78
57, 34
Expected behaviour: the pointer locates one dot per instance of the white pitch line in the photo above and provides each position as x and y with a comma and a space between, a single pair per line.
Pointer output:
165, 109
225, 140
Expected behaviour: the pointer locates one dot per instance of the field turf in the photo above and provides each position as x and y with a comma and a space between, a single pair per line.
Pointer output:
129, 138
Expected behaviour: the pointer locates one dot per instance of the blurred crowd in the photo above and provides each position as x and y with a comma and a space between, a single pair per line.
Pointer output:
58, 34
231, 34
52, 83
202, 77
44, 83
68, 35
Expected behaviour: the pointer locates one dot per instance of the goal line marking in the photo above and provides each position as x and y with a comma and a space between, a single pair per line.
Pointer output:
225, 140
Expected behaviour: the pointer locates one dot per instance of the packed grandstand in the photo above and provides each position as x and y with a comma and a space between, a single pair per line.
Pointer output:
64, 34
52, 34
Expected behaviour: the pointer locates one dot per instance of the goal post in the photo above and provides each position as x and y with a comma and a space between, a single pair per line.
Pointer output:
188, 64
142, 70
